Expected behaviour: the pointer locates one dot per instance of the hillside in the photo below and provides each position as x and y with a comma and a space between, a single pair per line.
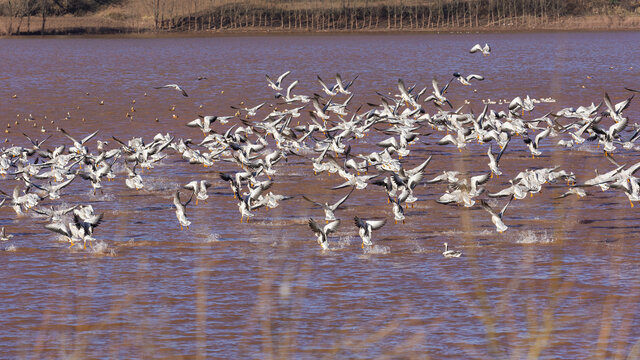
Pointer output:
22, 17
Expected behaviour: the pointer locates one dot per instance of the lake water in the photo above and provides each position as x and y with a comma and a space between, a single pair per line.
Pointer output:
561, 283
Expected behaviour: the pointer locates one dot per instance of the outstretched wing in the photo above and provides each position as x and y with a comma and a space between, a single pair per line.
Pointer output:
58, 228
475, 48
331, 227
281, 77
314, 226
505, 206
376, 224
488, 208
335, 206
312, 201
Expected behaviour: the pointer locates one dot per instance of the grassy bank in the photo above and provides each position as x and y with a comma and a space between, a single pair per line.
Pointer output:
23, 17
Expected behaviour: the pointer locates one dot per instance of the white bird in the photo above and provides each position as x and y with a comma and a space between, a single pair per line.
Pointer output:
78, 146
496, 218
323, 233
486, 49
328, 208
173, 86
134, 180
329, 91
71, 231
366, 227
533, 145
465, 80
451, 253
180, 210
290, 97
199, 189
398, 211
438, 94
250, 111
341, 87
277, 85
493, 161
204, 123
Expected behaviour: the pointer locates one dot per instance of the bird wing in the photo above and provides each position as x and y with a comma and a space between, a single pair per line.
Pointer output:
293, 84
475, 77
448, 139
621, 106
314, 226
541, 135
281, 77
59, 228
434, 83
343, 185
196, 123
331, 227
339, 81
312, 201
403, 89
390, 142
351, 82
420, 168
257, 107
323, 84
270, 81
67, 135
506, 205
191, 186
503, 149
480, 179
359, 222
414, 180
335, 206
515, 103
88, 137
65, 183
376, 224
607, 101
475, 48
488, 208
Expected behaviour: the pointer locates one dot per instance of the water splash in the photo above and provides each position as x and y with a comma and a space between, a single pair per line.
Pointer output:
534, 237
343, 242
419, 249
11, 248
211, 238
152, 184
105, 196
376, 250
102, 248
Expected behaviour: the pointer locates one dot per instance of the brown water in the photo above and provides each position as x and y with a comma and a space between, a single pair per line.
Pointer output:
562, 282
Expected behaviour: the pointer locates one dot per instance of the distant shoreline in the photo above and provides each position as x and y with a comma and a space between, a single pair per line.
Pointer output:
99, 26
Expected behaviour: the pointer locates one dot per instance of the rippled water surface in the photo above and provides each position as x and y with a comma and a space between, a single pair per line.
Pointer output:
562, 282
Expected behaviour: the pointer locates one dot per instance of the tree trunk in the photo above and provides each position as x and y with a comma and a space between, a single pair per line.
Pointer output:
28, 16
44, 20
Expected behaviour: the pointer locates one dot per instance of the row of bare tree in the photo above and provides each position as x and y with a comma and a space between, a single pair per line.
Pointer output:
20, 12
319, 15
315, 15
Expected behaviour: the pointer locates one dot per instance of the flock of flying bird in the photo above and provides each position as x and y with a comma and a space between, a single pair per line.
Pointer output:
320, 130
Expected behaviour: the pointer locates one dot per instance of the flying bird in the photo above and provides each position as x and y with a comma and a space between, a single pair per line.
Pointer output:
486, 49
173, 86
